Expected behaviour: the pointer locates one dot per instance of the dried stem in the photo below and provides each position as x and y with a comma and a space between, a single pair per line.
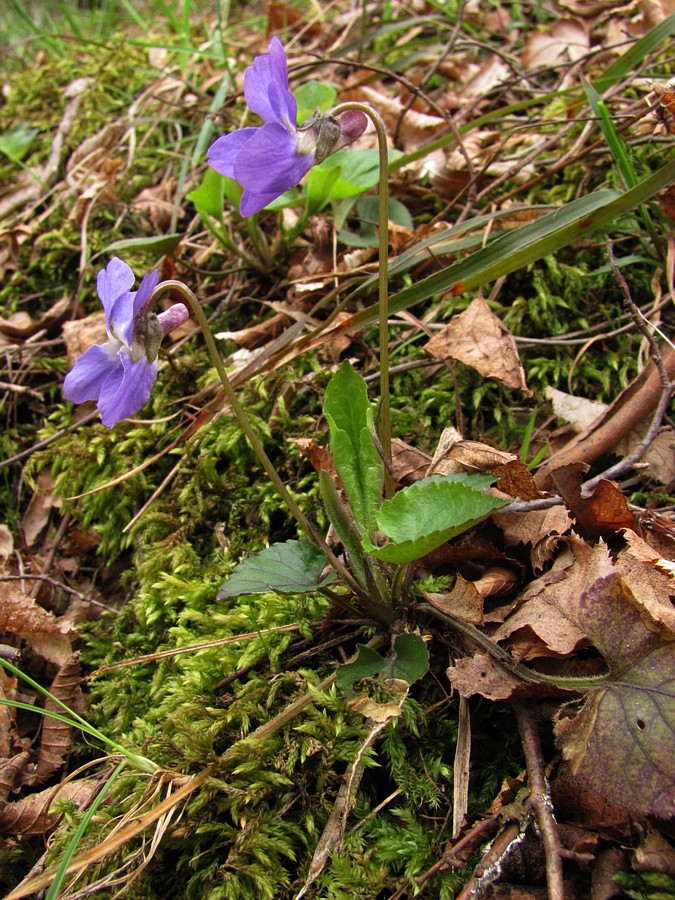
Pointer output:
540, 799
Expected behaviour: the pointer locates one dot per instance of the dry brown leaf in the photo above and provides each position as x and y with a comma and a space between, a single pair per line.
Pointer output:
464, 601
378, 712
655, 854
534, 526
55, 737
653, 590
453, 454
478, 338
565, 38
20, 326
549, 605
494, 71
20, 614
409, 463
481, 674
578, 802
320, 458
602, 512
33, 815
6, 544
516, 480
647, 552
80, 334
10, 771
416, 127
496, 581
158, 204
659, 460
39, 508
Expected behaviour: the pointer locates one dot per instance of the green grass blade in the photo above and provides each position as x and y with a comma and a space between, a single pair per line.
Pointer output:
74, 843
522, 246
611, 135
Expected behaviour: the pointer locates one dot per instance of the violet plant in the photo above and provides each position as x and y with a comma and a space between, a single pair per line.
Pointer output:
267, 161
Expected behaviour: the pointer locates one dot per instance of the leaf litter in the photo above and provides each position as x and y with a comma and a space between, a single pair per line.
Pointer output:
581, 587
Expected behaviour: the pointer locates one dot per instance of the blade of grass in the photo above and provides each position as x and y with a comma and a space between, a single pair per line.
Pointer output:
524, 245
71, 718
74, 842
618, 150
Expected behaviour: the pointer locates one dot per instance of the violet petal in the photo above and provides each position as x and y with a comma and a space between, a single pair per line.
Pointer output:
113, 281
127, 389
271, 163
127, 306
252, 203
223, 152
86, 378
266, 86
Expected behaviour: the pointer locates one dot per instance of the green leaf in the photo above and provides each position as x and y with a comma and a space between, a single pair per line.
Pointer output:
208, 197
16, 142
160, 244
611, 135
344, 525
368, 211
314, 95
368, 662
319, 186
357, 171
356, 459
621, 743
430, 512
293, 567
408, 661
412, 657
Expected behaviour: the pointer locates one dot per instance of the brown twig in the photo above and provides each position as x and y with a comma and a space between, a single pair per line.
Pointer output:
540, 798
489, 868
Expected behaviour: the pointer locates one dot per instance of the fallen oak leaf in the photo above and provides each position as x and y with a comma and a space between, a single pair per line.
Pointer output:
549, 606
478, 338
34, 814
620, 743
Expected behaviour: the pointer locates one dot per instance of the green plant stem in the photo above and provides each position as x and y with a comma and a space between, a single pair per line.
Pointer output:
571, 683
252, 437
384, 431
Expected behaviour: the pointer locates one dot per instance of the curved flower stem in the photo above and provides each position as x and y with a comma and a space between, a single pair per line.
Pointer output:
252, 437
384, 431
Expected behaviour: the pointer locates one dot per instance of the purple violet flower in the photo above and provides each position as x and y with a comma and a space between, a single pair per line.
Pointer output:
270, 159
119, 374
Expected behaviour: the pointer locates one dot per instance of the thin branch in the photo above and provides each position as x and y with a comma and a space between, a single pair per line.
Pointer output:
540, 799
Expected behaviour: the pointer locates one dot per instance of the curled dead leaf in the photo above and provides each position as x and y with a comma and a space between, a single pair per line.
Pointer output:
55, 736
478, 338
34, 813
